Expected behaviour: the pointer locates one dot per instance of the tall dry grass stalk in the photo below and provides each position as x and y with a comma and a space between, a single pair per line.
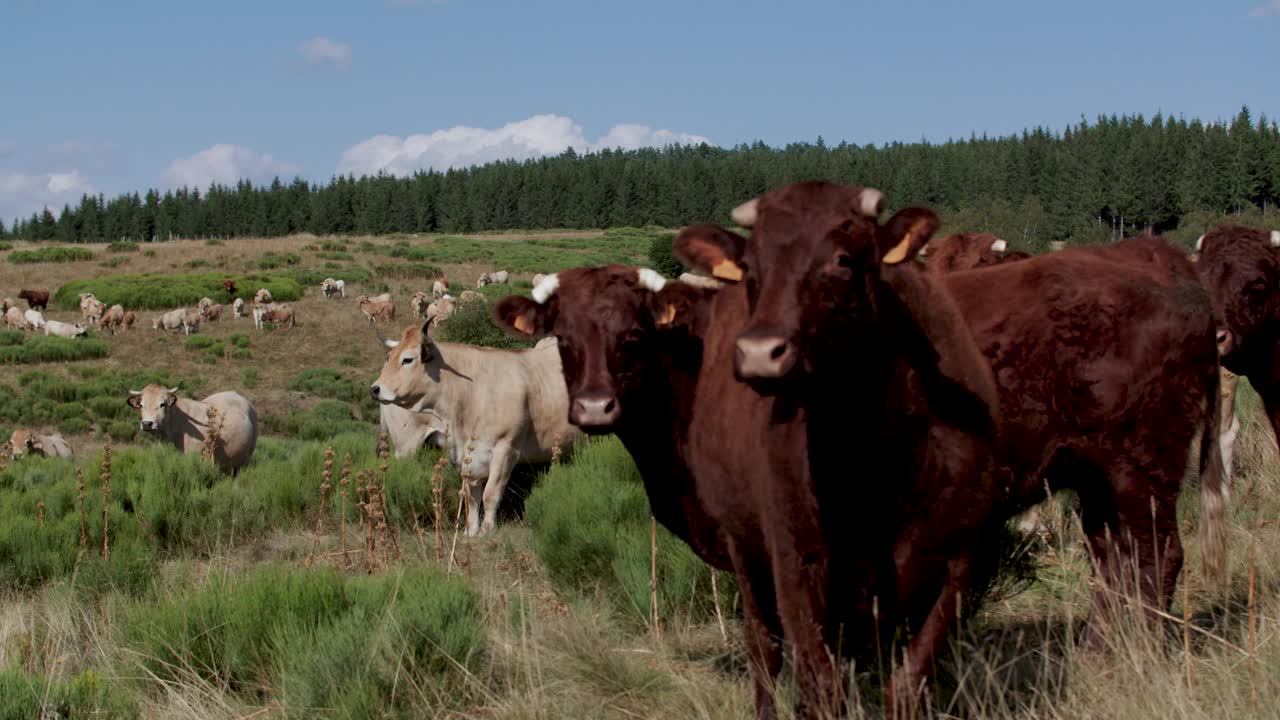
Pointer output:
342, 510
40, 514
326, 475
390, 536
556, 452
212, 436
1253, 634
437, 500
84, 531
106, 493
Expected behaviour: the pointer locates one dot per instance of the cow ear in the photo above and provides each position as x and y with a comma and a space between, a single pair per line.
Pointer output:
712, 250
523, 317
135, 401
902, 237
672, 306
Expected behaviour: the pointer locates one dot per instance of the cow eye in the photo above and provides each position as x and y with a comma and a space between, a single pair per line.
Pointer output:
406, 360
844, 260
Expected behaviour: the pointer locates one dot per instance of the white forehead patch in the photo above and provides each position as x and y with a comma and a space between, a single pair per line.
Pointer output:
999, 245
1275, 238
1200, 243
650, 279
871, 202
545, 288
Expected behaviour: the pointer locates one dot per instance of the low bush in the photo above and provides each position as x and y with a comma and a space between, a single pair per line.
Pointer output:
320, 421
249, 377
84, 696
662, 256
196, 264
45, 399
162, 292
55, 254
472, 324
6, 246
122, 246
350, 274
274, 260
408, 271
326, 255
392, 645
591, 530
50, 348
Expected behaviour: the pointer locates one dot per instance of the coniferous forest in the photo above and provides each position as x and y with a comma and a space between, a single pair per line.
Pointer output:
1093, 182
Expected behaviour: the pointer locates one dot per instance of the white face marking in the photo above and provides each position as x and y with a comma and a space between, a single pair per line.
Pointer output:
871, 202
546, 288
1200, 243
746, 213
650, 280
1275, 238
999, 246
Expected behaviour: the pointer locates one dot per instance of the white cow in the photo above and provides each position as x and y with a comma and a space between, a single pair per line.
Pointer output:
438, 289
237, 308
501, 407
35, 318
185, 423
500, 277
14, 318
172, 320
331, 287
24, 441
61, 329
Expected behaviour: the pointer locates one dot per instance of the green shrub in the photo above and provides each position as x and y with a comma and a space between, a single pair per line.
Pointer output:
12, 338
114, 262
249, 377
56, 254
160, 292
85, 696
122, 246
332, 246
6, 246
351, 274
196, 264
149, 253
122, 430
663, 258
214, 242
73, 426
394, 644
50, 348
408, 271
591, 528
472, 324
273, 260
321, 421
335, 256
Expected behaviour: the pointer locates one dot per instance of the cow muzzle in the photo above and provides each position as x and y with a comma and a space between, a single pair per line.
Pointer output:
764, 357
149, 425
381, 394
595, 411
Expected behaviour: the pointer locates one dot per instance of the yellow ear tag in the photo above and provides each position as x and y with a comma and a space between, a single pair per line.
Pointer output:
523, 324
668, 314
727, 269
899, 251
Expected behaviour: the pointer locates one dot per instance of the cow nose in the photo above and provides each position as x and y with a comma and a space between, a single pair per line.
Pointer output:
148, 424
764, 356
1224, 342
376, 392
595, 410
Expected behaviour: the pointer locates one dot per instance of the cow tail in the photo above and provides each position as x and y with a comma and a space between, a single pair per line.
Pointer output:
1213, 486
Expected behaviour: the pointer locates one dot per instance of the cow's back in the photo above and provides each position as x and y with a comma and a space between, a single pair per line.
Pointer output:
237, 423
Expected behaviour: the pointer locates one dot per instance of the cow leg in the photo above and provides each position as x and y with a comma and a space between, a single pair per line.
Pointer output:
905, 690
501, 463
762, 631
800, 586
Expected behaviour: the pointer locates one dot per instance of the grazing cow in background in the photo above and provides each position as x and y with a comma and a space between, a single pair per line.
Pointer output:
191, 322
14, 318
129, 319
847, 352
229, 286
333, 288
964, 251
469, 296
186, 423
170, 321
537, 279
641, 390
419, 303
384, 297
1240, 267
264, 315
34, 318
501, 408
37, 299
92, 308
211, 312
408, 431
375, 311
61, 329
237, 308
6, 304
441, 309
204, 303
501, 277
263, 297
24, 441
700, 281
439, 288
113, 318
1107, 367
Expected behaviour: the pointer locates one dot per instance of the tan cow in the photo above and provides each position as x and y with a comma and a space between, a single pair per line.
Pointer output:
439, 289
376, 311
61, 329
24, 441
113, 318
185, 423
469, 296
128, 320
418, 303
500, 277
191, 322
384, 297
14, 318
501, 407
170, 321
92, 309
441, 309
211, 312
204, 303
263, 297
408, 431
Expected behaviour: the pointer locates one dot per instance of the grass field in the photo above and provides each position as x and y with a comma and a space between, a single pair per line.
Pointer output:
224, 598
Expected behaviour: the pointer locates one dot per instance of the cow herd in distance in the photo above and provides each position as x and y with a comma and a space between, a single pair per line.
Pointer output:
965, 379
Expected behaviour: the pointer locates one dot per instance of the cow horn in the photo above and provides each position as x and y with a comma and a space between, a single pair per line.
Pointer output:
870, 202
999, 245
650, 280
385, 342
746, 213
1200, 243
545, 288
1275, 238
135, 392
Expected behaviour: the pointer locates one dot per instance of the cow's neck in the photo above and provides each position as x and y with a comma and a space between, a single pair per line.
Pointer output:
187, 418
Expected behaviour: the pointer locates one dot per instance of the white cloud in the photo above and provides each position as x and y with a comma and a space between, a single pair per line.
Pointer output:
22, 194
225, 164
323, 51
461, 146
1271, 8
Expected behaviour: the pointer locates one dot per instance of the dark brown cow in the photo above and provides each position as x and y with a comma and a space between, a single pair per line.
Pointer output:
230, 286
1107, 366
37, 299
964, 251
1240, 267
630, 349
850, 475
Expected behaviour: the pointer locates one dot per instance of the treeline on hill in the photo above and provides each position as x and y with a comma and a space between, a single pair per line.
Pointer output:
1093, 182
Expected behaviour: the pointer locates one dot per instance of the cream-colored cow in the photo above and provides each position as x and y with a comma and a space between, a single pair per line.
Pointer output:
185, 423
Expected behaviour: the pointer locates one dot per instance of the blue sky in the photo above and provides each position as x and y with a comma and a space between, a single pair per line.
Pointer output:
115, 96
